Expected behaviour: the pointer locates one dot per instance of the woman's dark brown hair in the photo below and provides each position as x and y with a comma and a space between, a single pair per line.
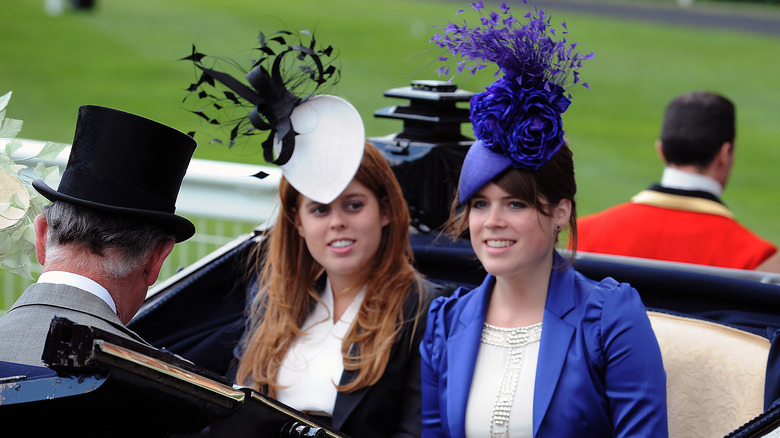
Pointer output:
541, 188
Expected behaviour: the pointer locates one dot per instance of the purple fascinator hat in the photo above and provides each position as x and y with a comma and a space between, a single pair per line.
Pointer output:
317, 139
517, 119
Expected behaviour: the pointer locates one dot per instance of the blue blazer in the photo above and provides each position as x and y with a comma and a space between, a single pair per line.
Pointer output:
599, 370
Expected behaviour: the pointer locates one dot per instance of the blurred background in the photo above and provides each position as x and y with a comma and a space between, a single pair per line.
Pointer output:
56, 55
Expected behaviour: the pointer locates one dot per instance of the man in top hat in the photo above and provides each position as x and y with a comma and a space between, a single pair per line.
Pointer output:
683, 219
104, 238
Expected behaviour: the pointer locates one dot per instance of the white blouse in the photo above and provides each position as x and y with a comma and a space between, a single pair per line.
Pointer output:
313, 365
501, 398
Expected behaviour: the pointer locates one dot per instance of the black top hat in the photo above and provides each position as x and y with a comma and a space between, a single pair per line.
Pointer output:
126, 164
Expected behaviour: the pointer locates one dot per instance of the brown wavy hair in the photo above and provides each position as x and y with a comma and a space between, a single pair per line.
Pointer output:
287, 293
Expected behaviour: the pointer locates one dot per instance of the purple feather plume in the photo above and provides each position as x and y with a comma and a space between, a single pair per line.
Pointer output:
518, 116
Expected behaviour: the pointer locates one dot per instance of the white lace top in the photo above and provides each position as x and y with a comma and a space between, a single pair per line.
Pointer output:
502, 391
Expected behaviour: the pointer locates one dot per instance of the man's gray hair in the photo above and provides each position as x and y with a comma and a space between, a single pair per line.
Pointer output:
118, 245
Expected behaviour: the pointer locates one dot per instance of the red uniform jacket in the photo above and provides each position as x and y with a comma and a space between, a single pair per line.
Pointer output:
673, 225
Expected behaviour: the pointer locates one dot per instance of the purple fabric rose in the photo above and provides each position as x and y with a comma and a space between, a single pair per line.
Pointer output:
537, 132
523, 124
489, 111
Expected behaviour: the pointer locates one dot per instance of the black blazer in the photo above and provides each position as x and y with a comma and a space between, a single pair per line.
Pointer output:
390, 407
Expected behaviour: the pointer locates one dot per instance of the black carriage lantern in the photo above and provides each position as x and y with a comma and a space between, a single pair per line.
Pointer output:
427, 154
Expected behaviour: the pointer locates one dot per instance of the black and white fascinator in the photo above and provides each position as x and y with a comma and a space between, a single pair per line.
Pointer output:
317, 139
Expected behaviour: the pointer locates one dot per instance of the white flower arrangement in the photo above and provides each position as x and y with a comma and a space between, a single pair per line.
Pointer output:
19, 201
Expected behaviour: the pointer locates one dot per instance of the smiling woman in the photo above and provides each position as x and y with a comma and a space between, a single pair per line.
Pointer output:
338, 316
505, 358
344, 237
513, 238
336, 305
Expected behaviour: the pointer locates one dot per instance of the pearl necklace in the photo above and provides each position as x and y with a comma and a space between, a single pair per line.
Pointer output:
515, 339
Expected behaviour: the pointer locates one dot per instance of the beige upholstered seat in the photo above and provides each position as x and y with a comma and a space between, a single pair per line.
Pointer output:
715, 375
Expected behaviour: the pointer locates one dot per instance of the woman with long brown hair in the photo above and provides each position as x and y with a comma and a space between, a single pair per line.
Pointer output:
336, 322
335, 319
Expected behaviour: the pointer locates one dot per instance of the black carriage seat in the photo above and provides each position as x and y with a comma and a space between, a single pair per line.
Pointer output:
199, 313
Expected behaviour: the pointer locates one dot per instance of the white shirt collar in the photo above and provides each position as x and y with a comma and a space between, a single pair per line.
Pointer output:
314, 364
79, 281
677, 179
351, 312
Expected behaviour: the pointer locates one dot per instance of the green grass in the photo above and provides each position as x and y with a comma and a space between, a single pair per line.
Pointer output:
124, 54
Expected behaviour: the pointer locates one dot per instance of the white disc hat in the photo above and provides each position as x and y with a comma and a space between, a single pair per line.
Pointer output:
329, 146
315, 138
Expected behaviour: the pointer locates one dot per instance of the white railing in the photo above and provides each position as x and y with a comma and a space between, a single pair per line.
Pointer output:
222, 199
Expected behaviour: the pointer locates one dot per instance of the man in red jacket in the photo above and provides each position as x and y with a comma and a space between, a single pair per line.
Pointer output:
682, 219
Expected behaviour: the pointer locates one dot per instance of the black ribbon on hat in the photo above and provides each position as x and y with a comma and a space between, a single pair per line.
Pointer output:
271, 93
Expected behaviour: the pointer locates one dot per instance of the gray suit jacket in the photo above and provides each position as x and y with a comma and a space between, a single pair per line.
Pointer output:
24, 328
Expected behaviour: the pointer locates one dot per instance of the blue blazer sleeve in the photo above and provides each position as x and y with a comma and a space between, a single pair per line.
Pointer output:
600, 371
448, 354
431, 421
634, 377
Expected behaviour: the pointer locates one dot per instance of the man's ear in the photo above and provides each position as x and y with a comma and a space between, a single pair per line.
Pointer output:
726, 153
659, 149
156, 258
720, 168
41, 227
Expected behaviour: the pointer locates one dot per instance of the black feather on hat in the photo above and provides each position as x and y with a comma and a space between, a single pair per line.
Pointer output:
317, 139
